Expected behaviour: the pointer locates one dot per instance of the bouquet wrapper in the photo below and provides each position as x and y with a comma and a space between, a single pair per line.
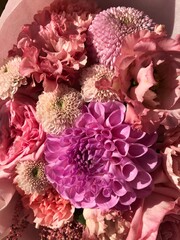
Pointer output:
19, 12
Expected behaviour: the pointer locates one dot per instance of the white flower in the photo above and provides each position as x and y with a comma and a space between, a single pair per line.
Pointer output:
10, 78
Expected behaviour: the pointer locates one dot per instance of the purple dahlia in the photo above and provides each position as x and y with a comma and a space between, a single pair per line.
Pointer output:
101, 161
108, 29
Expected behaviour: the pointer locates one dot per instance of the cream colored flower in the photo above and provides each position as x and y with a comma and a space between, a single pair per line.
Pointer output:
10, 78
31, 177
97, 74
58, 110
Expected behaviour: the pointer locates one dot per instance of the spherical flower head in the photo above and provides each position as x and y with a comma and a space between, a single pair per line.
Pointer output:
57, 110
108, 29
10, 78
31, 177
96, 83
50, 209
105, 224
101, 162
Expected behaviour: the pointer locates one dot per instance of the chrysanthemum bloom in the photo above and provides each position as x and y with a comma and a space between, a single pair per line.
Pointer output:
50, 209
101, 161
97, 82
108, 29
31, 177
149, 76
105, 225
53, 46
57, 110
10, 78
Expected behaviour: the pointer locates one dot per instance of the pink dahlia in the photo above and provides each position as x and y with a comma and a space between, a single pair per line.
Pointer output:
53, 45
108, 29
149, 77
101, 162
49, 209
21, 136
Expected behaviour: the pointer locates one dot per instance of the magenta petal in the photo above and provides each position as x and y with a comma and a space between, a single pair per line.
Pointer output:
137, 150
129, 172
114, 119
142, 180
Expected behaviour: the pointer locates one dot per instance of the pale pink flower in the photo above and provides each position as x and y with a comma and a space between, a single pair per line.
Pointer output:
172, 164
149, 71
21, 136
49, 209
97, 82
152, 211
7, 203
109, 27
105, 225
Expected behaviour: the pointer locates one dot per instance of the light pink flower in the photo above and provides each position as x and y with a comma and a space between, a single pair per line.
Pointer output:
153, 210
7, 203
172, 164
21, 136
49, 209
105, 225
149, 71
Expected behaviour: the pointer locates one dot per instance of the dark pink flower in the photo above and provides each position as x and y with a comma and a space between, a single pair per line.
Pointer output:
53, 45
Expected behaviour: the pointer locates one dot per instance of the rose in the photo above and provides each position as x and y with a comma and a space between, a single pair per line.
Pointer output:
21, 136
169, 228
153, 210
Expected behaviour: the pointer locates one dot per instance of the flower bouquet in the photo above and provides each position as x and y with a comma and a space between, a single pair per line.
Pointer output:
89, 124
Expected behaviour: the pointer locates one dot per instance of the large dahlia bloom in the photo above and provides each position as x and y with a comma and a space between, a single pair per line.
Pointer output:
108, 29
149, 78
101, 161
53, 45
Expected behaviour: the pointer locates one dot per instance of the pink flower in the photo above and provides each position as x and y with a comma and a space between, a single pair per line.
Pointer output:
7, 202
152, 211
21, 136
50, 209
53, 46
149, 71
106, 225
172, 164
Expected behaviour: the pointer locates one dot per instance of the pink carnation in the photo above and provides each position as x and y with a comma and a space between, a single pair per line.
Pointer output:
21, 136
149, 71
50, 209
53, 46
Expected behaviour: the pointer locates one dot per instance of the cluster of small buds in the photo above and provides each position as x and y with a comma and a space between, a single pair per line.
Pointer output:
71, 231
19, 222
